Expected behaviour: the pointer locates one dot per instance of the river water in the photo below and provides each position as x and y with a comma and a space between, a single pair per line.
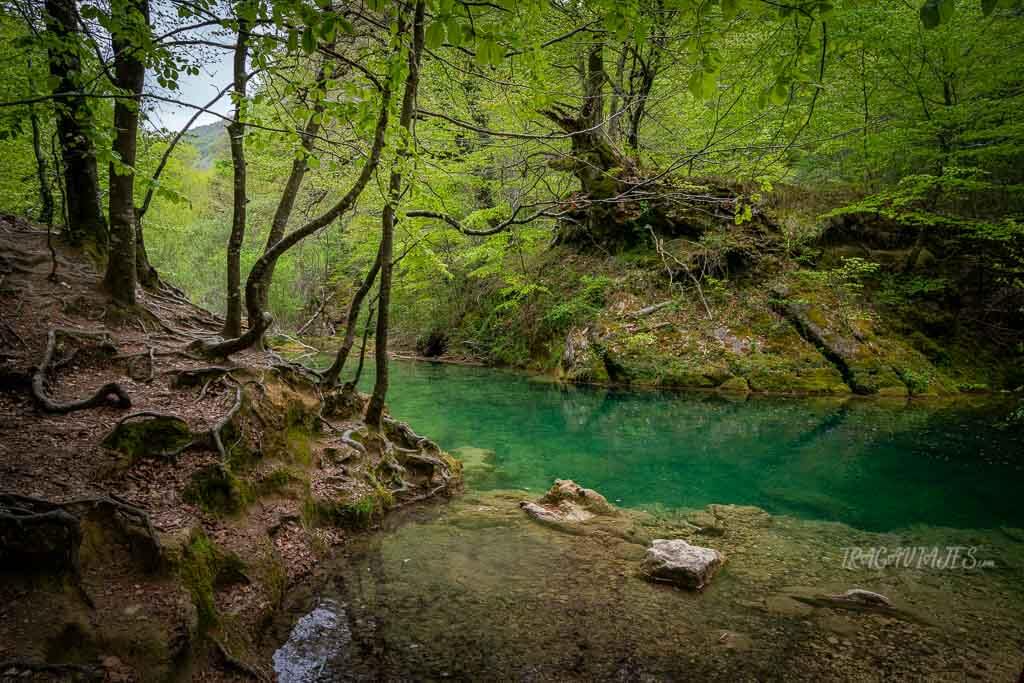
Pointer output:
875, 465
473, 590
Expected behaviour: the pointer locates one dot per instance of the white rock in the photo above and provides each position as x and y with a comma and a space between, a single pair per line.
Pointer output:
676, 561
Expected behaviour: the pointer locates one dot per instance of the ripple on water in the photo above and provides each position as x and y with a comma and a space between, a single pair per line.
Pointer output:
317, 645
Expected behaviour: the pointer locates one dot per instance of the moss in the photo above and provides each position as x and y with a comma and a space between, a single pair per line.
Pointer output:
215, 489
358, 511
273, 577
298, 414
197, 570
298, 444
150, 436
276, 481
735, 384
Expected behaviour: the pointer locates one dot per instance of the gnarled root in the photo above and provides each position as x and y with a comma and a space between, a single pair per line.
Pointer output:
227, 347
111, 390
215, 431
237, 664
48, 535
22, 669
48, 541
411, 438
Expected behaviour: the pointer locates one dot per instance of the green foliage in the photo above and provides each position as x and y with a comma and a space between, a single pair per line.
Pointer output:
582, 305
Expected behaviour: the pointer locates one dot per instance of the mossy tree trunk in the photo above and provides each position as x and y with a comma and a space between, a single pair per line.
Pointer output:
593, 159
85, 222
129, 74
236, 134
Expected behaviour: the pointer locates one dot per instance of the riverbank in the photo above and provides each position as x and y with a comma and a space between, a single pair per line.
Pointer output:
154, 530
795, 302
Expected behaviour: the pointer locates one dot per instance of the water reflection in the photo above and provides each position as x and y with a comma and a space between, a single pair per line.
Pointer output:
872, 464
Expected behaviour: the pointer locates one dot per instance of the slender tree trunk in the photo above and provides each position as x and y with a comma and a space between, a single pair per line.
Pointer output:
330, 377
649, 70
375, 409
291, 190
146, 274
129, 74
42, 173
236, 132
85, 222
270, 257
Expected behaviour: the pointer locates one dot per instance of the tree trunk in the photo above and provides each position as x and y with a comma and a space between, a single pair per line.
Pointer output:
330, 377
42, 173
236, 133
146, 274
291, 191
593, 160
129, 74
85, 222
270, 257
375, 409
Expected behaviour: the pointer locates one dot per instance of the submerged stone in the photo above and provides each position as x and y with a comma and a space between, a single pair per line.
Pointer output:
677, 562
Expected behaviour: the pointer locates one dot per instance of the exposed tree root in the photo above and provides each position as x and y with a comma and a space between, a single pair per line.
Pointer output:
151, 373
237, 664
346, 435
198, 376
224, 421
420, 443
41, 531
422, 497
21, 669
226, 347
111, 390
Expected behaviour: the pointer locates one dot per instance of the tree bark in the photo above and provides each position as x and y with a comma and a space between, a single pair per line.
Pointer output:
291, 189
85, 222
375, 408
330, 377
270, 257
145, 273
42, 172
236, 133
129, 76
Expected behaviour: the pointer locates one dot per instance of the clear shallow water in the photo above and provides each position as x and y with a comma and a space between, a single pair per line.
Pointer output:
874, 465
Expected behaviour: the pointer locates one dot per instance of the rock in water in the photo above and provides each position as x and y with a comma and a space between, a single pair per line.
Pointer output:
568, 502
678, 562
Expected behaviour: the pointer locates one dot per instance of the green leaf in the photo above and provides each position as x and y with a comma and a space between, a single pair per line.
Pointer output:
987, 6
308, 41
779, 93
454, 31
946, 9
730, 8
435, 35
703, 84
930, 16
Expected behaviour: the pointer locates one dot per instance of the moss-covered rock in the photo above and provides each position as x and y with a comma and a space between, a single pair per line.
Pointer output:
202, 566
149, 435
216, 489
735, 385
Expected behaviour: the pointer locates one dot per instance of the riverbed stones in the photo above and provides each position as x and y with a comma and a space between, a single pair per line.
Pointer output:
566, 502
677, 562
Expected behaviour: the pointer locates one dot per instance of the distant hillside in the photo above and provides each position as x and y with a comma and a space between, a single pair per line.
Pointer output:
211, 140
